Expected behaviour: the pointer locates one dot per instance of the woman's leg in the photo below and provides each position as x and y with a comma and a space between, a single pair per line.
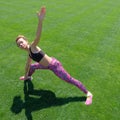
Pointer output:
58, 69
35, 66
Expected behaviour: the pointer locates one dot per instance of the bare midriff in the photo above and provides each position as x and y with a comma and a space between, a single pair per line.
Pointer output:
46, 60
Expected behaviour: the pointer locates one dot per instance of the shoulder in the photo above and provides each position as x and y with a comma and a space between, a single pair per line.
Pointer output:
34, 49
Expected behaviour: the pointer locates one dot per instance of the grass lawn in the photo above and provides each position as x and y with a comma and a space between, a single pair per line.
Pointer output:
84, 36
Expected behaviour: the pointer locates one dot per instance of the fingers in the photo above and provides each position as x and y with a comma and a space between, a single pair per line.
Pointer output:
41, 13
22, 78
43, 10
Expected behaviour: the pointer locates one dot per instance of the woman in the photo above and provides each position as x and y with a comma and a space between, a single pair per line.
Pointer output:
43, 61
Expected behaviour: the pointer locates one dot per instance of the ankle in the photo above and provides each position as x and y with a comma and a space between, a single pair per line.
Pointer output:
30, 77
89, 94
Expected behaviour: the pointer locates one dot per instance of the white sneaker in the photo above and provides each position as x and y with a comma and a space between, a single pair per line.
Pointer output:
89, 98
29, 78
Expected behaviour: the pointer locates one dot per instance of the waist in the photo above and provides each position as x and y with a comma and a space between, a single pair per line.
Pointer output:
46, 60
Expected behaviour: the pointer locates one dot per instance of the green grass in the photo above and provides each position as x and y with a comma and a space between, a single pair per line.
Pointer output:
84, 36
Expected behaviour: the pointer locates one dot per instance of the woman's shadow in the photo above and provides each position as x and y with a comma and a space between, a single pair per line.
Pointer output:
38, 99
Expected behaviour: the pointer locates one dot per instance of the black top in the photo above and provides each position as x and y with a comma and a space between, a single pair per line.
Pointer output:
37, 56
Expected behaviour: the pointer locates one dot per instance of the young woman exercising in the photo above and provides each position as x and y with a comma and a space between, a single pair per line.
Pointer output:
43, 61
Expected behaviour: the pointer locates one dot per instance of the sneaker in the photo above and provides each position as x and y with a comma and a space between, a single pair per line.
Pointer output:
89, 99
29, 78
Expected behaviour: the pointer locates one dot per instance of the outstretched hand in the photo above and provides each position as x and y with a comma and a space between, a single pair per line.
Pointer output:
22, 78
41, 13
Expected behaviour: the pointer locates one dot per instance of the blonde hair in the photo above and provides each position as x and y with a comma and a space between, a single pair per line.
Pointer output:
21, 36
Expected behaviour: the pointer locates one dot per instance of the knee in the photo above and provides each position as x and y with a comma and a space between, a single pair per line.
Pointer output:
32, 67
57, 64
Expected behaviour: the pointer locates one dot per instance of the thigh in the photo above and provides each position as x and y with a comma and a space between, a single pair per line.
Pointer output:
38, 66
59, 70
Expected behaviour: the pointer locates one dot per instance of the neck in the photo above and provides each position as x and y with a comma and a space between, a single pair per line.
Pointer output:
27, 48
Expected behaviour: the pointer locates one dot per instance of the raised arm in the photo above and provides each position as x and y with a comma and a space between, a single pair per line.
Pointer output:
41, 15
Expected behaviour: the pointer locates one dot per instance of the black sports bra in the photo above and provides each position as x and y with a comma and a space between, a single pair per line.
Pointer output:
36, 56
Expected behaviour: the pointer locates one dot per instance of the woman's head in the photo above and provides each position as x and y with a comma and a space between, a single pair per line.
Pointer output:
22, 42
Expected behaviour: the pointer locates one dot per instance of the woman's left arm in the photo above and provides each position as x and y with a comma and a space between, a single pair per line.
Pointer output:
41, 15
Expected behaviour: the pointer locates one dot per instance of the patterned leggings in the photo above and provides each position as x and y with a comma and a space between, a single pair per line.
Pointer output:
58, 69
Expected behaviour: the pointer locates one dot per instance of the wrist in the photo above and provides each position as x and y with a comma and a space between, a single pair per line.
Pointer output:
40, 20
26, 75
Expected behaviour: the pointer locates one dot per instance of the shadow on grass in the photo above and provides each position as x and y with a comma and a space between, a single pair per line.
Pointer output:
38, 99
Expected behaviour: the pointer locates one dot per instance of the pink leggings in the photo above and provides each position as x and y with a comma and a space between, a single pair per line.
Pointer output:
58, 69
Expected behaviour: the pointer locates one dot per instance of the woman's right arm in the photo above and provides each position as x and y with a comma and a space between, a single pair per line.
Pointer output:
27, 68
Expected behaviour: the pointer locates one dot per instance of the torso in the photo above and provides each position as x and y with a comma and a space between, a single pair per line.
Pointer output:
45, 61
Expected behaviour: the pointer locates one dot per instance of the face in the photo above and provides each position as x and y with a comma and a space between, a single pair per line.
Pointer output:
22, 43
